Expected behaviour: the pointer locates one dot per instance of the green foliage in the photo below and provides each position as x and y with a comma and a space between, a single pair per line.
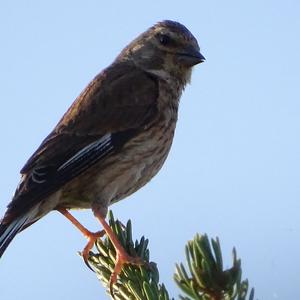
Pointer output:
205, 280
134, 283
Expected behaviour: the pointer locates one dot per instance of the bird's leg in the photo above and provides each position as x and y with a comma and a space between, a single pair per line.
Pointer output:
121, 255
91, 236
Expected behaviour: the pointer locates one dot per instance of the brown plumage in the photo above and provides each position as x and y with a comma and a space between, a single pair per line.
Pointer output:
115, 136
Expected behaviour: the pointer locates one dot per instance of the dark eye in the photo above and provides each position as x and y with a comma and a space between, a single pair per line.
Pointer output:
164, 39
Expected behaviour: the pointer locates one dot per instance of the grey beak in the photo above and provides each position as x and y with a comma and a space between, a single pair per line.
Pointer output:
191, 57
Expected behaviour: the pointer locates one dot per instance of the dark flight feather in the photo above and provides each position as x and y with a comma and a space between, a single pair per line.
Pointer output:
115, 105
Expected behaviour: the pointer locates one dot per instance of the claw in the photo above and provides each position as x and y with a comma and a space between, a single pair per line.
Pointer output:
122, 259
92, 237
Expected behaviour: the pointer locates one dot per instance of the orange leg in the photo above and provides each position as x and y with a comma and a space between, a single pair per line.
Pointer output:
91, 236
121, 255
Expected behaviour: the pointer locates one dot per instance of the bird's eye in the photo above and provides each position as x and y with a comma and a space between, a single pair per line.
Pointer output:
164, 39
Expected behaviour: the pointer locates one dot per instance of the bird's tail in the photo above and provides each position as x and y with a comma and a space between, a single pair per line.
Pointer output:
9, 231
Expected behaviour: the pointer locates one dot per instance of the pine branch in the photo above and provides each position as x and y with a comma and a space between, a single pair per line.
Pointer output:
206, 279
134, 283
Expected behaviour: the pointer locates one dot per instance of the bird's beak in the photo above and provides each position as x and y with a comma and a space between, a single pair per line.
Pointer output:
191, 57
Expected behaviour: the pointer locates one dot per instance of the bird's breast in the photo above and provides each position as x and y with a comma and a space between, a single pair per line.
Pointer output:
134, 165
141, 159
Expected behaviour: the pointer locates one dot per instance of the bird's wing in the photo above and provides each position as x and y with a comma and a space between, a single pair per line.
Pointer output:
118, 103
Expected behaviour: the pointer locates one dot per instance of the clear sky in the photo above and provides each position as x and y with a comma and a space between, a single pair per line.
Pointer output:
234, 168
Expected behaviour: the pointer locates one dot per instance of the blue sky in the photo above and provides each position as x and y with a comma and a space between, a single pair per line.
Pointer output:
233, 171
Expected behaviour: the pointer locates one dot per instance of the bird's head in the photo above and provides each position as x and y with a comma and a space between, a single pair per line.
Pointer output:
167, 49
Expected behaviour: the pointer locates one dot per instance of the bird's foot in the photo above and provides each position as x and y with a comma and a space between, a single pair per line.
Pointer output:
92, 237
122, 259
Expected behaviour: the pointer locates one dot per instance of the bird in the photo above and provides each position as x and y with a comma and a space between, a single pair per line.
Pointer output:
113, 139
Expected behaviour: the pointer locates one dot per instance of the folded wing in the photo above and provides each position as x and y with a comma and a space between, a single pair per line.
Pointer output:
118, 103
